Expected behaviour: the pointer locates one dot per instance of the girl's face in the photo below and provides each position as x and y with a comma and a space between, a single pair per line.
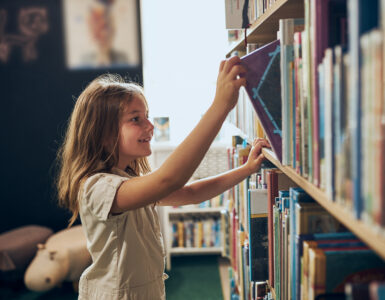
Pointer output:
135, 132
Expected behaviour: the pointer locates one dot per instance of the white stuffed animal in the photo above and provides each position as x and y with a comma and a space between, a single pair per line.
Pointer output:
63, 257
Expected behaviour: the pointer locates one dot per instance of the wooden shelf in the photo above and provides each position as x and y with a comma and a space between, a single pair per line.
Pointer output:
208, 250
265, 28
372, 237
196, 210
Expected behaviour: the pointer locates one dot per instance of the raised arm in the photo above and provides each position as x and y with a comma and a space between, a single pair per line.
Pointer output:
181, 164
208, 188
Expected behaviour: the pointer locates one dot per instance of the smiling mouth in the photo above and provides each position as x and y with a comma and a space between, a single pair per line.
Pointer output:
146, 140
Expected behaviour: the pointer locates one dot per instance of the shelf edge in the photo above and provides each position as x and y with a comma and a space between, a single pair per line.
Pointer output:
374, 239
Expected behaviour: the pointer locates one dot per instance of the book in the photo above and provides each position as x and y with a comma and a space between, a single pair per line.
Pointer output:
258, 240
237, 14
297, 195
327, 30
287, 28
263, 87
377, 290
276, 181
363, 16
331, 268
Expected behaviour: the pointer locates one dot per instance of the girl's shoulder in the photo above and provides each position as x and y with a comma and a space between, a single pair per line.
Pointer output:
116, 175
98, 193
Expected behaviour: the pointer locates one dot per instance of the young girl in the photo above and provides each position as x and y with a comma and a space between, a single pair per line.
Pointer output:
105, 178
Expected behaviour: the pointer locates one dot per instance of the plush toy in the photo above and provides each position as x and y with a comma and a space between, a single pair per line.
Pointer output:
17, 249
64, 257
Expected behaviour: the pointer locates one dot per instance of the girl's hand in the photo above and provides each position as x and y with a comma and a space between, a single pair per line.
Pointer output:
229, 82
256, 156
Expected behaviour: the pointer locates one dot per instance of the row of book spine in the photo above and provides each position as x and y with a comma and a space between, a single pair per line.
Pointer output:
332, 103
197, 232
280, 235
248, 240
255, 9
313, 254
333, 108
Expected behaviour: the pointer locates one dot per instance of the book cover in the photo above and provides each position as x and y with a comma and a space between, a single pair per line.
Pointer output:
258, 240
263, 86
322, 244
330, 269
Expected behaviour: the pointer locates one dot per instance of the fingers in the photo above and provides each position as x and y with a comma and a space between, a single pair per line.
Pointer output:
222, 64
262, 142
258, 144
237, 70
260, 159
240, 82
229, 63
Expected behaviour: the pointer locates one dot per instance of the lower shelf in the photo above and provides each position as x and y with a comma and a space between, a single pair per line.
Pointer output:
209, 250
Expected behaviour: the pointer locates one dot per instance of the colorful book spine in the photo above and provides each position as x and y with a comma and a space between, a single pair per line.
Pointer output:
362, 16
258, 239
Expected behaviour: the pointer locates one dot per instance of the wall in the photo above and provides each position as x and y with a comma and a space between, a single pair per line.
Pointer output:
37, 97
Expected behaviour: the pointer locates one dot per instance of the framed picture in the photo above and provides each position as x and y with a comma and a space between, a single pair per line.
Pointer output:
162, 129
101, 33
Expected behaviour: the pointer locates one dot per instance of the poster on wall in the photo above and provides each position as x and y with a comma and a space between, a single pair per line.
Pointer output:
161, 129
101, 33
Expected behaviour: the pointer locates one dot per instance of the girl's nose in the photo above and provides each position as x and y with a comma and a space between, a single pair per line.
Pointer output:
149, 125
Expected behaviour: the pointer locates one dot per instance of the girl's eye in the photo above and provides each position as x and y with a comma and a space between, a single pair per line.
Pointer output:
136, 119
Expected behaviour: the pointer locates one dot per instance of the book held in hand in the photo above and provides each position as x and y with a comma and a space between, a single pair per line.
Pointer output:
263, 86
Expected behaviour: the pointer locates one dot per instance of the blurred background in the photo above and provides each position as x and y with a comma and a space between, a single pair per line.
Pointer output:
51, 49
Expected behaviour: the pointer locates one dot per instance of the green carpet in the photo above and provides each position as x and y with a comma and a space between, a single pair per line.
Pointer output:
191, 277
194, 277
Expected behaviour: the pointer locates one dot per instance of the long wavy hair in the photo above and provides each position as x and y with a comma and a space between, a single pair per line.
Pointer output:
91, 142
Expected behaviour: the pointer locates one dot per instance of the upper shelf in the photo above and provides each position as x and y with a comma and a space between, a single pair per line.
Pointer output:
373, 238
264, 29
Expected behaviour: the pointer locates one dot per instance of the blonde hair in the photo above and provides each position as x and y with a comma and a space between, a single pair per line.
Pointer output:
93, 125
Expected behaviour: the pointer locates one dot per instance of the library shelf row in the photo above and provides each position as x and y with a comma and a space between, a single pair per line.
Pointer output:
264, 29
368, 234
196, 210
202, 250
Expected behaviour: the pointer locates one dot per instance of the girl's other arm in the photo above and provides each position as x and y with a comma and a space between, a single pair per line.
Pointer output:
208, 188
181, 164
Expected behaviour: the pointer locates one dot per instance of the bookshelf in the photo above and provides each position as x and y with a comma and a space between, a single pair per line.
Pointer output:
213, 163
373, 238
172, 214
264, 29
369, 227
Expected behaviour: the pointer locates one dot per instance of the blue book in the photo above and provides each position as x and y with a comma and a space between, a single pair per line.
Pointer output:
362, 16
340, 266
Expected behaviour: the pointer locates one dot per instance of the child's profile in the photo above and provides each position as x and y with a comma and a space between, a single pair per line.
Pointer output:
105, 178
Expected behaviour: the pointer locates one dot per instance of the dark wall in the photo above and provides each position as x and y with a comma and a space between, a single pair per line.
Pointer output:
37, 97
